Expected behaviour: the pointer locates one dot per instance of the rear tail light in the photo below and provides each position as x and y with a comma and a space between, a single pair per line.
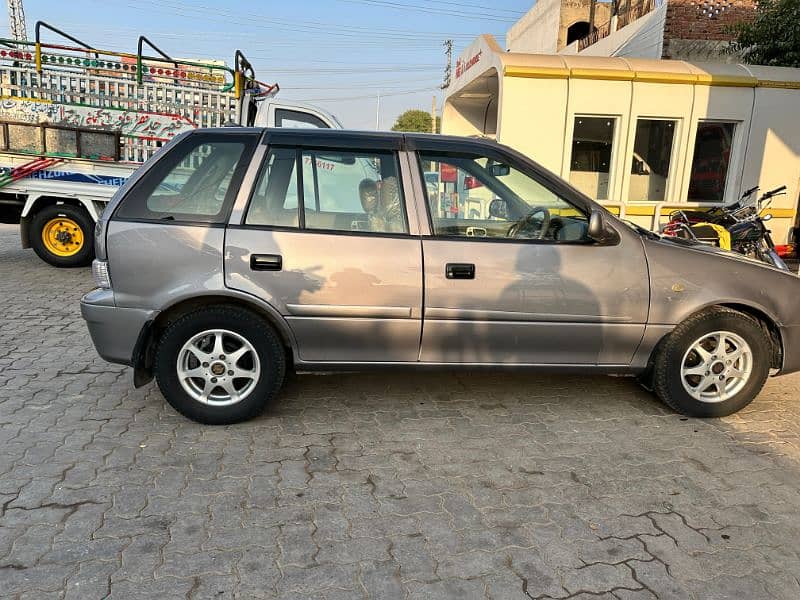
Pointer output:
102, 278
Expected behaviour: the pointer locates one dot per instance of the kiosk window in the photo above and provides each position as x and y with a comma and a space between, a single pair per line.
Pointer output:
592, 144
712, 155
651, 161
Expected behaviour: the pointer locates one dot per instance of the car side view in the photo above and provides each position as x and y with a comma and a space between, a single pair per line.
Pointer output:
237, 254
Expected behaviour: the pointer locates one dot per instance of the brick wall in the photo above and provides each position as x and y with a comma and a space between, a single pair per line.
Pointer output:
686, 20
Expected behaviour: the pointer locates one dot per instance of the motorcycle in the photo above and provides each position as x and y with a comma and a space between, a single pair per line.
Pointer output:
740, 227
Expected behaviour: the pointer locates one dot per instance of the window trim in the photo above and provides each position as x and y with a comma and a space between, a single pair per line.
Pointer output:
532, 173
250, 142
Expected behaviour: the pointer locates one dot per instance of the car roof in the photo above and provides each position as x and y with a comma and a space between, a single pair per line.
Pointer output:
393, 138
354, 137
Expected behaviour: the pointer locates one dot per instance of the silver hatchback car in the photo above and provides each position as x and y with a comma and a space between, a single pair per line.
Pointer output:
238, 254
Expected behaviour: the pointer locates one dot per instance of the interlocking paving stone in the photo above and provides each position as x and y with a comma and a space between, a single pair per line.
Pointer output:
414, 485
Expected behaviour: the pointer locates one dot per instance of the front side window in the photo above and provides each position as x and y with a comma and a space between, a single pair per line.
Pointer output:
480, 197
592, 143
712, 155
652, 155
353, 191
195, 181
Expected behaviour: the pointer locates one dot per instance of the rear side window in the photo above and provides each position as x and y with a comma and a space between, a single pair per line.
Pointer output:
274, 200
196, 181
339, 191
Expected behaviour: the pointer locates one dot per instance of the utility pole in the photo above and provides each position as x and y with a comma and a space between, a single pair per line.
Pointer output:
592, 5
16, 20
378, 113
448, 69
433, 115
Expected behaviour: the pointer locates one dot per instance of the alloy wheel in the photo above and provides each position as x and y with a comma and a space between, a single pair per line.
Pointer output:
218, 367
717, 366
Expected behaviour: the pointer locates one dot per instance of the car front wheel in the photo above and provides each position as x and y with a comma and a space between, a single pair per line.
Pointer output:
219, 365
713, 364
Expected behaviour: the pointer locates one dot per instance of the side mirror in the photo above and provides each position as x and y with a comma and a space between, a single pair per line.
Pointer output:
498, 209
597, 227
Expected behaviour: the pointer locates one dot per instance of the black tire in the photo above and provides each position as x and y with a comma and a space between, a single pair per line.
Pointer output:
667, 366
242, 322
83, 256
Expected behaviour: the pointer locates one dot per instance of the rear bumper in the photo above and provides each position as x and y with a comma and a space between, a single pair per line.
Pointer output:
115, 331
791, 349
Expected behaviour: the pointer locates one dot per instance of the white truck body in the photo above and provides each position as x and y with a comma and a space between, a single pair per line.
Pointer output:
101, 114
92, 183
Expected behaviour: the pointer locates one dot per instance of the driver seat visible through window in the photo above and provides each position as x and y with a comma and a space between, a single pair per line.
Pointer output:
478, 197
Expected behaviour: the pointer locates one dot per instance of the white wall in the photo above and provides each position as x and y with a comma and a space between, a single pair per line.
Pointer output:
537, 31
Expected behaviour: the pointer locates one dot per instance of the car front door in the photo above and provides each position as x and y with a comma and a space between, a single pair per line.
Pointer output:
512, 277
325, 239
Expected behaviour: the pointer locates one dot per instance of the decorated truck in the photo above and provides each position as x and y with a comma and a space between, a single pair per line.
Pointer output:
76, 121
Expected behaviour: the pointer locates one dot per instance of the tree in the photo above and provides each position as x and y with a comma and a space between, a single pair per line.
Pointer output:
773, 37
415, 120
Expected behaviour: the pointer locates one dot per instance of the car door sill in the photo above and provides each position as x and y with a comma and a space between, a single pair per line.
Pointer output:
346, 366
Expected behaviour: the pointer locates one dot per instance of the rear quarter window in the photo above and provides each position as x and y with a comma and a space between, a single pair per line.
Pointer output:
194, 181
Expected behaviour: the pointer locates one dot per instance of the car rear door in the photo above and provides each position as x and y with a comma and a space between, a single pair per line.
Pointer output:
499, 290
347, 280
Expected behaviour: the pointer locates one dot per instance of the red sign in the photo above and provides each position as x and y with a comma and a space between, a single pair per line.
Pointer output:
464, 65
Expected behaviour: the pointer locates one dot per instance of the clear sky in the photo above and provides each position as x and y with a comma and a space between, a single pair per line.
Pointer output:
338, 54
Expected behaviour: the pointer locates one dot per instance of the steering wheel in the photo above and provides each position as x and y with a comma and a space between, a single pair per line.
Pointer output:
528, 225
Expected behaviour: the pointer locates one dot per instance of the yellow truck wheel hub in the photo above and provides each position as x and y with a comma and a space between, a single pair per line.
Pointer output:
62, 237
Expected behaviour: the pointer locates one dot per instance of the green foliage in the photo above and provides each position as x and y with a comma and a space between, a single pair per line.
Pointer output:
417, 121
773, 38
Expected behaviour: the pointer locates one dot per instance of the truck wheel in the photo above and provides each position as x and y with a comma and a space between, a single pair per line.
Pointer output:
713, 364
63, 236
219, 365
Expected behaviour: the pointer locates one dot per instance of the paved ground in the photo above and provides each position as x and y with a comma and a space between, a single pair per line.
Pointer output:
401, 486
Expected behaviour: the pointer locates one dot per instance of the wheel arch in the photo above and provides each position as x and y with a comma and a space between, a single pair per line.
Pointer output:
145, 347
767, 322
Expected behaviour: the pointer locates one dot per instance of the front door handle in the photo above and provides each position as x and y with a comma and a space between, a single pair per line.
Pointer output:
266, 262
460, 271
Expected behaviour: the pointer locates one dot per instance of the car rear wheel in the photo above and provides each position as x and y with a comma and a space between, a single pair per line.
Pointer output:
62, 236
219, 365
713, 364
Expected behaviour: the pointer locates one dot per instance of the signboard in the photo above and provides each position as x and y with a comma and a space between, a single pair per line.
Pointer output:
140, 124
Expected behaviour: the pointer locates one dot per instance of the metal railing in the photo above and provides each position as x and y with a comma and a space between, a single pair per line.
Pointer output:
147, 100
626, 17
635, 12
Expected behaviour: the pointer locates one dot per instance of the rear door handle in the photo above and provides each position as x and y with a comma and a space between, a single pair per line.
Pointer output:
266, 262
460, 271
